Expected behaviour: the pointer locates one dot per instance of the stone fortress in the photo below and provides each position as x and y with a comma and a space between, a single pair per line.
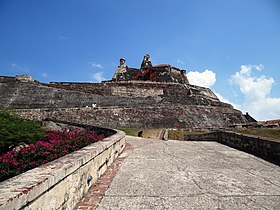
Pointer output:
150, 97
157, 96
148, 72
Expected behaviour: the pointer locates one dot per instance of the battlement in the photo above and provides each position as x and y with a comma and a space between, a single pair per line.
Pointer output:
148, 72
7, 79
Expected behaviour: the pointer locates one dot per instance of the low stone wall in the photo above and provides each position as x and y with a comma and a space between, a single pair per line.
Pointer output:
265, 148
60, 184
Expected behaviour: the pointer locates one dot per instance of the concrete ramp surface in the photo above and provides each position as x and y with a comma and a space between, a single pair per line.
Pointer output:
191, 175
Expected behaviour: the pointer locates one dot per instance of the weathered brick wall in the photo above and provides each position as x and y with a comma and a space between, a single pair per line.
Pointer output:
145, 116
268, 149
138, 89
19, 95
122, 104
16, 94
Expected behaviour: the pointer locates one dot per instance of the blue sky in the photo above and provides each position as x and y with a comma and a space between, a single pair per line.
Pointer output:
231, 46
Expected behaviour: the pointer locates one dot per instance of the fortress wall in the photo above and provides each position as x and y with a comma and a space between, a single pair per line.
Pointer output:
122, 104
93, 88
23, 95
143, 117
106, 88
29, 95
7, 79
172, 93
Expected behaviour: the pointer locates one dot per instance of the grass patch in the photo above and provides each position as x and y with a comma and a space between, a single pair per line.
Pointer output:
147, 133
180, 134
130, 131
273, 133
15, 130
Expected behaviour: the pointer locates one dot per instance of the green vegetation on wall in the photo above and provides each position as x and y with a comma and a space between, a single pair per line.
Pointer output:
15, 130
180, 134
273, 133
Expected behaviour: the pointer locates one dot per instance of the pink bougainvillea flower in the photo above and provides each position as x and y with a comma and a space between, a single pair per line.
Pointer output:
55, 144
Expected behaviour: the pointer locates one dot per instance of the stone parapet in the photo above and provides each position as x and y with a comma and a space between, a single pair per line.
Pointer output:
60, 184
265, 148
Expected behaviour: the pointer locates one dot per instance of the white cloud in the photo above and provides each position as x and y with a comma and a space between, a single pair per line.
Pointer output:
96, 65
225, 100
256, 91
19, 68
252, 87
61, 37
181, 62
259, 67
204, 79
44, 74
98, 77
265, 109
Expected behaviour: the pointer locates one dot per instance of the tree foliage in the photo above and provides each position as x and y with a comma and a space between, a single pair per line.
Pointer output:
14, 130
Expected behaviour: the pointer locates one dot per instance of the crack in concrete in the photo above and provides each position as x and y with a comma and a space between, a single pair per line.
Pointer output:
247, 169
267, 180
197, 184
161, 196
248, 197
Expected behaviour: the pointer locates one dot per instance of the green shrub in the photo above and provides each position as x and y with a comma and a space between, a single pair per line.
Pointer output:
15, 130
273, 133
130, 131
56, 144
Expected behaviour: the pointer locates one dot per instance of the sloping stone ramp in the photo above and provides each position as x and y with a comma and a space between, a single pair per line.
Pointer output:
156, 174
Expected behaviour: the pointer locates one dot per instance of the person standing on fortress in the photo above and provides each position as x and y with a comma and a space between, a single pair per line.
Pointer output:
146, 63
